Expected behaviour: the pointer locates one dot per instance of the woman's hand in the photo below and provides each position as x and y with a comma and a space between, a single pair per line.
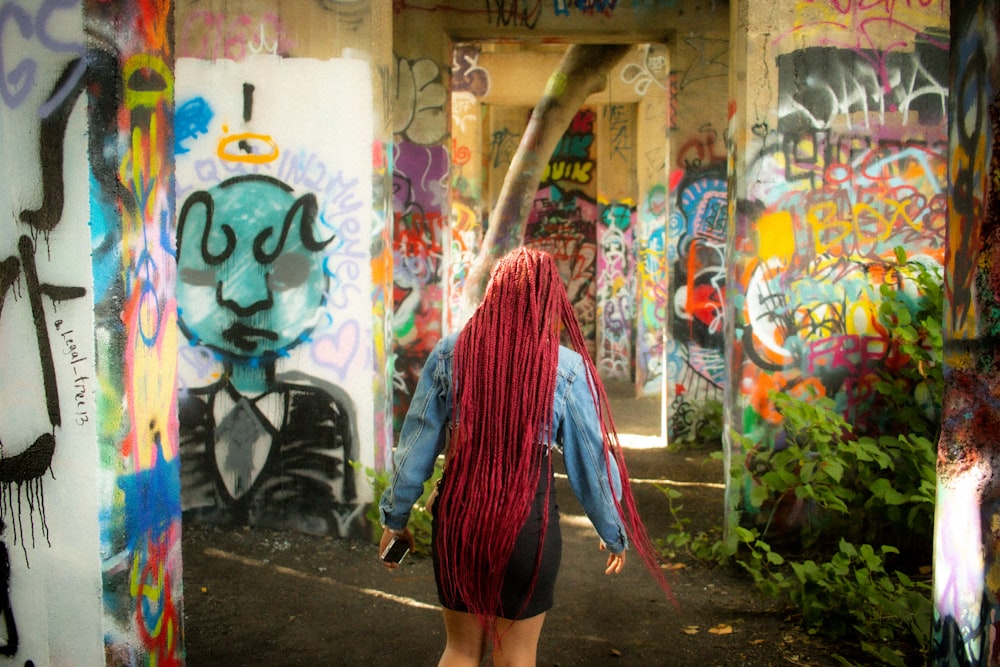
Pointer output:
616, 562
387, 535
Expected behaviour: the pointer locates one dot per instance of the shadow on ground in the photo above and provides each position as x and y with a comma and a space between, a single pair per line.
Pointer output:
256, 597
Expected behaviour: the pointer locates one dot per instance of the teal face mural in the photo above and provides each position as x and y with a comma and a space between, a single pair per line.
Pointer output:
251, 282
257, 448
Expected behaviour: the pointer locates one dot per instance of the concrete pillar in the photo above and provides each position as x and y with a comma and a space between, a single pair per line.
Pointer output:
967, 516
838, 125
284, 261
90, 509
273, 299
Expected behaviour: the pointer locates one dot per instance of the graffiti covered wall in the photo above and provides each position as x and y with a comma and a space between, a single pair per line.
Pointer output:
90, 513
967, 513
420, 211
844, 164
628, 308
274, 290
696, 186
49, 540
563, 219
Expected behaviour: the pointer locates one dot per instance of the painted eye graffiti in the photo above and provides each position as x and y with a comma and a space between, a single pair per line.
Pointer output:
197, 277
288, 272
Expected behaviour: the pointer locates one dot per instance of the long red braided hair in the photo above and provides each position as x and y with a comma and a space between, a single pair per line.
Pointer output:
504, 380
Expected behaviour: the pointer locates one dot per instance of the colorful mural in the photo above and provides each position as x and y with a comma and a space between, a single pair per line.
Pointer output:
651, 79
696, 344
855, 166
90, 449
420, 210
274, 292
563, 219
616, 290
420, 198
696, 197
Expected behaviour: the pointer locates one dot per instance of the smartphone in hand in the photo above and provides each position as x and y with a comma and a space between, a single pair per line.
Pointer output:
396, 551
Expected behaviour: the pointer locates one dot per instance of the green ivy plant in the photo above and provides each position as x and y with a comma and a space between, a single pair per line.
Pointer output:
420, 517
859, 570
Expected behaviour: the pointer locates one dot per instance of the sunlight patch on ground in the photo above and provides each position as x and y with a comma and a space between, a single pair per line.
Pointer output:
634, 441
664, 481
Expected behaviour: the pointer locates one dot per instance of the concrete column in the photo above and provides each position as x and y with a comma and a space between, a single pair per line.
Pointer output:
967, 513
284, 261
831, 133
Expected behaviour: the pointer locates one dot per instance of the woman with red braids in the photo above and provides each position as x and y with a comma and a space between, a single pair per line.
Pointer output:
499, 395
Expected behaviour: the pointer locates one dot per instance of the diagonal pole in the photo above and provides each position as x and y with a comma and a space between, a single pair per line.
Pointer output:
581, 72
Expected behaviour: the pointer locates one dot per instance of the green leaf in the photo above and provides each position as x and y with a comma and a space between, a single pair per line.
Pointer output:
834, 468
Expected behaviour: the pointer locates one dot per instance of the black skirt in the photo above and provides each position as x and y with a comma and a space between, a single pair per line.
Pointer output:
515, 603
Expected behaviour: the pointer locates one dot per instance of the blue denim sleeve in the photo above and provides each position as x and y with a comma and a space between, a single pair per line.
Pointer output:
586, 463
421, 440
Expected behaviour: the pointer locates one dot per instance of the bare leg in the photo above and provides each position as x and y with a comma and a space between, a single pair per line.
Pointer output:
466, 640
518, 644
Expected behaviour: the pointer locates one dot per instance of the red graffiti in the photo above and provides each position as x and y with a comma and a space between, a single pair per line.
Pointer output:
157, 621
583, 122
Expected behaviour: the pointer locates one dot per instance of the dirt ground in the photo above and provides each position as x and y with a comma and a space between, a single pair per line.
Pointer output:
264, 598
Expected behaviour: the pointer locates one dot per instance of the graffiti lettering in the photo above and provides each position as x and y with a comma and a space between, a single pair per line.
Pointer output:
466, 74
22, 76
70, 349
618, 128
419, 112
503, 146
514, 13
845, 83
571, 160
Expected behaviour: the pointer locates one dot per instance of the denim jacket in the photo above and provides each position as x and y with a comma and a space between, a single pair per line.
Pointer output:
575, 425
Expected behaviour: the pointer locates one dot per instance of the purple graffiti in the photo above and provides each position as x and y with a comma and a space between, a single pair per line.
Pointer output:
17, 82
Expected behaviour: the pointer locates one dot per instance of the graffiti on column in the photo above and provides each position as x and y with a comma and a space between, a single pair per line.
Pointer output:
696, 232
125, 184
31, 296
467, 75
572, 162
470, 82
652, 275
616, 284
966, 548
256, 450
420, 198
272, 256
564, 217
846, 198
696, 359
419, 203
420, 112
855, 167
130, 130
562, 224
